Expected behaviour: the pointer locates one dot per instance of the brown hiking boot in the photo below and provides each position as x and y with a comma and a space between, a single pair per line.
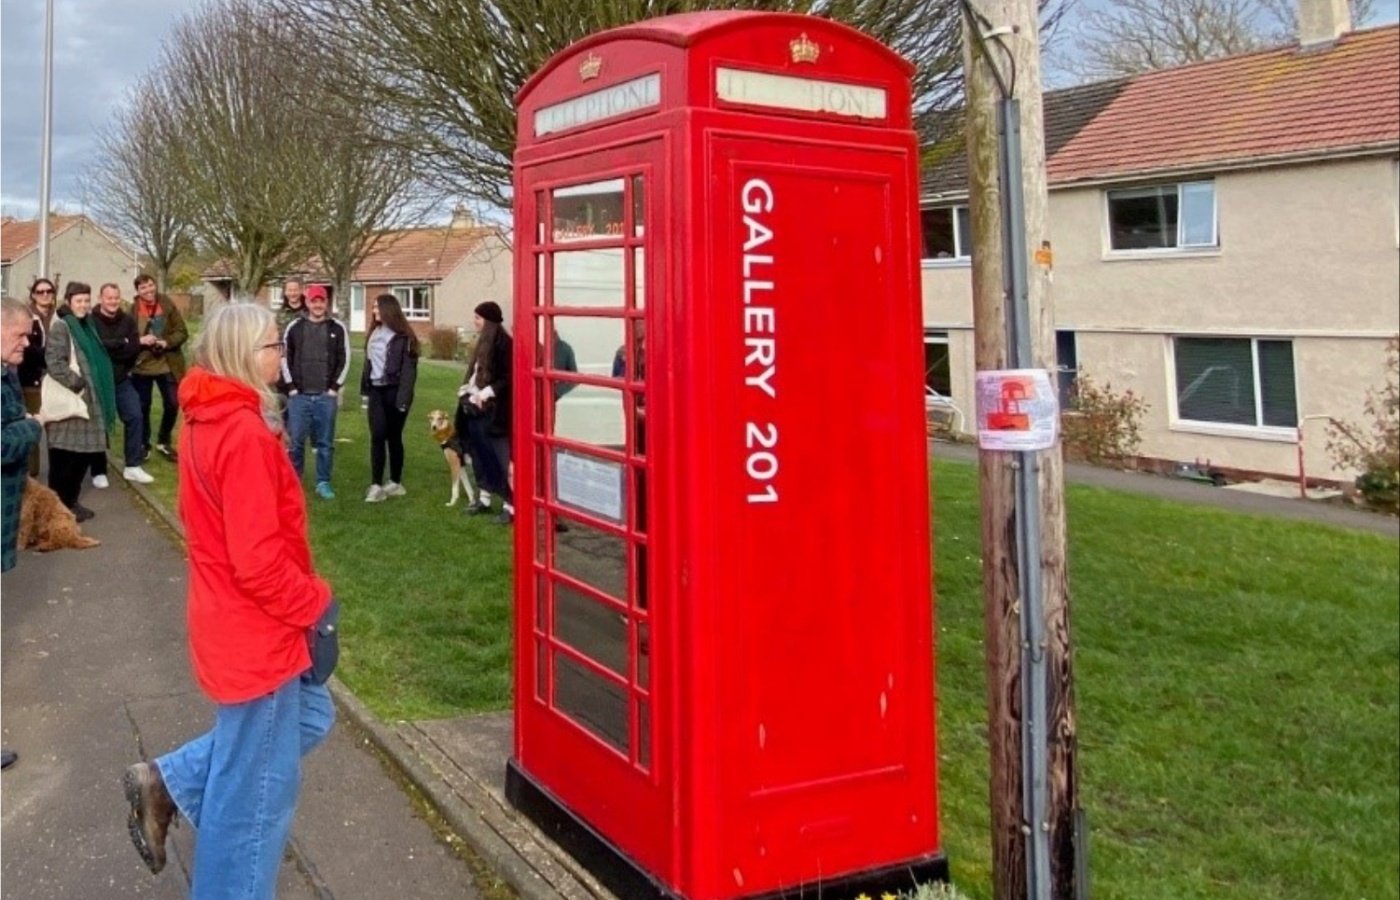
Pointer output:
152, 812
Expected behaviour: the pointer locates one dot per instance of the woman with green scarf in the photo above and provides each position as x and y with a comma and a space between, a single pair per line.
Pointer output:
75, 443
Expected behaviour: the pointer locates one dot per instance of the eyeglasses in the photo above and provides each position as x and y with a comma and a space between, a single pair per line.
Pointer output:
42, 291
279, 346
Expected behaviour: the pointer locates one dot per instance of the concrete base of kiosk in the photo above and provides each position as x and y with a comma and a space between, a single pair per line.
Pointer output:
619, 874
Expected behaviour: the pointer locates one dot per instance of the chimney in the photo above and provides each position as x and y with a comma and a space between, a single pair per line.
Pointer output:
461, 217
1321, 22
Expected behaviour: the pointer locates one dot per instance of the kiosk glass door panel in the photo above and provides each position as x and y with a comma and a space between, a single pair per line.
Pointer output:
594, 684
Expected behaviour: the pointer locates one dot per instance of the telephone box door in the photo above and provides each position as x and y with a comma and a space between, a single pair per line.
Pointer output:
590, 695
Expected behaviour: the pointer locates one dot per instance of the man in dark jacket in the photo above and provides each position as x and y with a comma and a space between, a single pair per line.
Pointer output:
21, 431
117, 329
161, 363
43, 300
315, 364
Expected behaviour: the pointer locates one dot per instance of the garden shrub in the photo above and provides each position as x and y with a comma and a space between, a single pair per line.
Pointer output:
1373, 446
1102, 426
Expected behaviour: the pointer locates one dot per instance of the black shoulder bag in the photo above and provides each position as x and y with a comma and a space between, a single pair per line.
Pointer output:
323, 638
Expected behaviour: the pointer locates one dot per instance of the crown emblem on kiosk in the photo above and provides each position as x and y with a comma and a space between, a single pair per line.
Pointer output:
591, 66
804, 49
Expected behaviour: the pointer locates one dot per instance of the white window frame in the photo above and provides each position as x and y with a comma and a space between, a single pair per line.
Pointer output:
962, 256
5, 280
404, 292
1181, 249
1257, 431
274, 296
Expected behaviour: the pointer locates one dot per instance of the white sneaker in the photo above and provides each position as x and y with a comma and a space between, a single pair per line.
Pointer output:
375, 494
394, 489
137, 474
100, 481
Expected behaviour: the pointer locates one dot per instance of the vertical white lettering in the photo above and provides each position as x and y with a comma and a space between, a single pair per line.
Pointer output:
761, 462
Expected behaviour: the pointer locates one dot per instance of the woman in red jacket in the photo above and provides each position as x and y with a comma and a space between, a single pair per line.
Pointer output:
252, 595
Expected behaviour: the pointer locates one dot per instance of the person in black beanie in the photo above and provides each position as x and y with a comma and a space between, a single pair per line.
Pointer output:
485, 400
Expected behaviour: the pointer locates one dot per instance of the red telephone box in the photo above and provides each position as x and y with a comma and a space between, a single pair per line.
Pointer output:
724, 654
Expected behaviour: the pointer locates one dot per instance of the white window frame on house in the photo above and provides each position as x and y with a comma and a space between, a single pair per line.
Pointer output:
274, 296
408, 294
5, 280
1257, 430
962, 254
1186, 244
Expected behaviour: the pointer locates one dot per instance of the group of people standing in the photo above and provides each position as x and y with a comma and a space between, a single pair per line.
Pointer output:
115, 358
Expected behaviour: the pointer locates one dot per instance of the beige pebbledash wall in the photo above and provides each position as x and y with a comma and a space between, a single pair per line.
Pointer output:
484, 274
79, 253
1307, 252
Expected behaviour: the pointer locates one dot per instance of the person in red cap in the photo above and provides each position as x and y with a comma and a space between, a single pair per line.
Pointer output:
314, 370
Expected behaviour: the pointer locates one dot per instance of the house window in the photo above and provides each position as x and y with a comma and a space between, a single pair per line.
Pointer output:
1236, 381
938, 373
4, 281
1163, 217
947, 233
1066, 367
274, 296
416, 301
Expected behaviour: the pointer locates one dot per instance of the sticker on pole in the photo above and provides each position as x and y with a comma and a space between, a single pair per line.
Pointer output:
1017, 409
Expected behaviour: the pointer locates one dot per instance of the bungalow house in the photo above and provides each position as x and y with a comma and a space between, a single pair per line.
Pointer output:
1225, 237
438, 274
79, 250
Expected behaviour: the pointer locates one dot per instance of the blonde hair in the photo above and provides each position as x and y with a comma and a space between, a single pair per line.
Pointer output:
228, 345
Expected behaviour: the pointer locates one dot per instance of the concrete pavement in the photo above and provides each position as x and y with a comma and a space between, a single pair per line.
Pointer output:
96, 676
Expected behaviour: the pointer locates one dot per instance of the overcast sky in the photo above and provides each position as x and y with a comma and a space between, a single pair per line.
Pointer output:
100, 48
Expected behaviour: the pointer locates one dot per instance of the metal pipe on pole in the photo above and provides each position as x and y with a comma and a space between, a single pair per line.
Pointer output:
46, 152
1038, 848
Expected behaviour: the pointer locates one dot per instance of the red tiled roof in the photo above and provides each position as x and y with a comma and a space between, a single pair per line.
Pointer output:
1257, 106
419, 254
408, 255
19, 236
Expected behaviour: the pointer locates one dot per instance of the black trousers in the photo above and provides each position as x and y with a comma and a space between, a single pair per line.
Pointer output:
169, 407
386, 424
67, 468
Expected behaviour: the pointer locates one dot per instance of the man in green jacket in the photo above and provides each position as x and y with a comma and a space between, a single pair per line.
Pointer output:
161, 362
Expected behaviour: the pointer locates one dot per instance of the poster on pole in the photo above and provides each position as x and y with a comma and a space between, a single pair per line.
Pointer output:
1017, 409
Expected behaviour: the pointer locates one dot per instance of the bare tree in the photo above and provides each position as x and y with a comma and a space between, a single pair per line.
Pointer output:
1131, 36
241, 165
446, 71
132, 190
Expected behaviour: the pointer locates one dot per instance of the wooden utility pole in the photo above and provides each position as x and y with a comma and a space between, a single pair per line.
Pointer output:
1037, 829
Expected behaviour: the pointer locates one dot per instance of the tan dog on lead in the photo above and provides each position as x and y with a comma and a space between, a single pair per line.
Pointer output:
440, 424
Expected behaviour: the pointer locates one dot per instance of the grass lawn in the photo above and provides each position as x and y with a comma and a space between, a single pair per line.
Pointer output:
1238, 679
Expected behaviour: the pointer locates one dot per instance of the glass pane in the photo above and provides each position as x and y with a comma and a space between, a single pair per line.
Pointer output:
540, 214
632, 365
938, 370
541, 625
539, 279
541, 536
1198, 214
1277, 384
594, 629
639, 207
591, 414
589, 343
964, 220
590, 485
644, 654
1142, 219
588, 211
589, 278
541, 670
591, 700
593, 557
1215, 380
639, 275
938, 233
540, 472
644, 734
641, 579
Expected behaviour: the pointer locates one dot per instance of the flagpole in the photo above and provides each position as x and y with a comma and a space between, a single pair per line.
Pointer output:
46, 164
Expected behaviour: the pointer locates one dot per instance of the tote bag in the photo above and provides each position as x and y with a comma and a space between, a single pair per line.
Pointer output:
56, 402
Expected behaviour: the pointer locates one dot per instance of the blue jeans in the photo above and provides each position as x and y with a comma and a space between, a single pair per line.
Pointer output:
169, 407
237, 785
313, 416
129, 411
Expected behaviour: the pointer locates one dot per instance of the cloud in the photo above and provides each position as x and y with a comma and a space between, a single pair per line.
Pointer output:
101, 47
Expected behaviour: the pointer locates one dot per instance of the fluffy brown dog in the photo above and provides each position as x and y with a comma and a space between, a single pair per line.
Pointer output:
46, 524
440, 425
